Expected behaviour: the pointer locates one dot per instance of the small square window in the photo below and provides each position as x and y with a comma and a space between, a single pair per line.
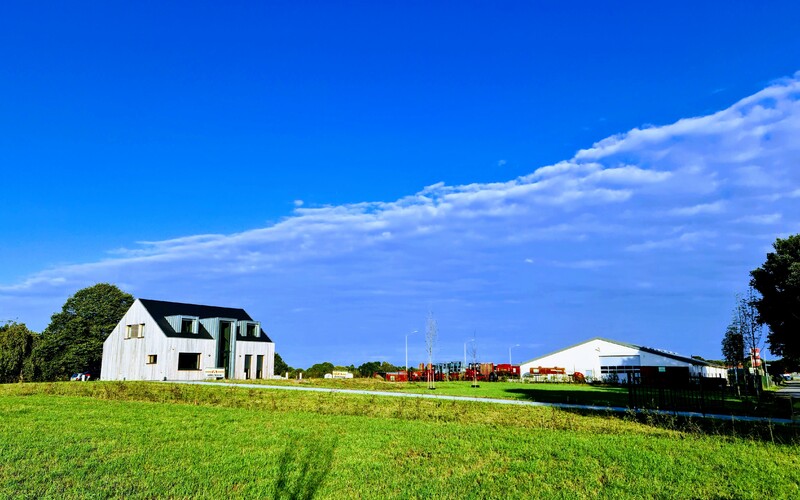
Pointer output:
251, 329
152, 359
134, 331
187, 326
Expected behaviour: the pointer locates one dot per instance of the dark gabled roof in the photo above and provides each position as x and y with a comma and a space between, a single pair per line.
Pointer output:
651, 350
164, 308
160, 309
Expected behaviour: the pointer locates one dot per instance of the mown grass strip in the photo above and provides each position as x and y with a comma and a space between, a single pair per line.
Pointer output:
768, 406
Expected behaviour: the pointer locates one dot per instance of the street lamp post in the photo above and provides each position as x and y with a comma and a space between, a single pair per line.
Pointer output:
509, 353
412, 333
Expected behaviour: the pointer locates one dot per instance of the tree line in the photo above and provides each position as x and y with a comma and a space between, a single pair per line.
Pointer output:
319, 370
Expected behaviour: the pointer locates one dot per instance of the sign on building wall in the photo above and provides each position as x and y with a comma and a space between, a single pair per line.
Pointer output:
215, 372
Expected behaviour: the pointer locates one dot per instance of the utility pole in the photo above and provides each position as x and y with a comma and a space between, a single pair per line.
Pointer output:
509, 353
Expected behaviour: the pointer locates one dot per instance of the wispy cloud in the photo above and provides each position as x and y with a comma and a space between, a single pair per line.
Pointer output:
583, 264
773, 218
701, 208
664, 201
685, 241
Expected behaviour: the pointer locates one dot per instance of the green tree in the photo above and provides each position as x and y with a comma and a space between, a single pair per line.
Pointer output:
733, 346
387, 367
778, 282
319, 370
16, 343
73, 341
369, 369
280, 365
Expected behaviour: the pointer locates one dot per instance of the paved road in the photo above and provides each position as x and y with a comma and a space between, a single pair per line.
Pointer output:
604, 409
791, 388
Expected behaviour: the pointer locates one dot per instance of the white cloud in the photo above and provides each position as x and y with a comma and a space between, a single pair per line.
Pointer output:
582, 264
756, 176
701, 208
685, 241
773, 218
630, 175
367, 267
742, 125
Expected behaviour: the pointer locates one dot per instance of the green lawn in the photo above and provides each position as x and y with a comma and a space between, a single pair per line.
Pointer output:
109, 439
580, 394
542, 392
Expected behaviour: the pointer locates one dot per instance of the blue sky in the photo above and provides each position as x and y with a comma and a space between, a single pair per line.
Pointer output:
534, 173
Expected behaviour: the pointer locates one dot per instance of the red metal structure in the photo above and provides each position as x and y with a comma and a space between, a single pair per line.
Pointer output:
474, 371
507, 370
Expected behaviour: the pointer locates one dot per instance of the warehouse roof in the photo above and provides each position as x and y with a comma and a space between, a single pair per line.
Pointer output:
651, 350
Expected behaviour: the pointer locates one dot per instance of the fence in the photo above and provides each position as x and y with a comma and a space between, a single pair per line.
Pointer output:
696, 398
703, 396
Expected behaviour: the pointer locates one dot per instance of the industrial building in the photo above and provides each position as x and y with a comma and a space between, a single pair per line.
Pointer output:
611, 360
158, 340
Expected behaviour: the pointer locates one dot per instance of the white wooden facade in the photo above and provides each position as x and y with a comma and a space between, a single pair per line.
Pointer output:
598, 358
147, 344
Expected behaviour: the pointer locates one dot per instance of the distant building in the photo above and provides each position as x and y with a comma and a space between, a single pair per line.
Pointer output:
604, 359
158, 340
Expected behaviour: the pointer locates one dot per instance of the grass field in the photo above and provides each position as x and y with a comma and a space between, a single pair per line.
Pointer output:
549, 393
580, 394
110, 439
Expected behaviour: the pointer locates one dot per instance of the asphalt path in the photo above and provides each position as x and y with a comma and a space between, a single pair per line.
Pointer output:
790, 389
603, 409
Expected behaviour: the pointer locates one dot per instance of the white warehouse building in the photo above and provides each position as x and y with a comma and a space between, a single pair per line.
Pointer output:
600, 358
158, 340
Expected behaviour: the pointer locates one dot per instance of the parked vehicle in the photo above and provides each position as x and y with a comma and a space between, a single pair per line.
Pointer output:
81, 377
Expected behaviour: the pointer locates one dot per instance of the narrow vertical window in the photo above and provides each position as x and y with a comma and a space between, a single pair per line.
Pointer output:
251, 329
259, 365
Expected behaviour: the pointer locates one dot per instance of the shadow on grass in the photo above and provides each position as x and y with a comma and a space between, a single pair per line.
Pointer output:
765, 431
610, 397
758, 431
302, 468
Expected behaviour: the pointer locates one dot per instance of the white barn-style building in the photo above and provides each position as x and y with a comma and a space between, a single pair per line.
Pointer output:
600, 358
158, 340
